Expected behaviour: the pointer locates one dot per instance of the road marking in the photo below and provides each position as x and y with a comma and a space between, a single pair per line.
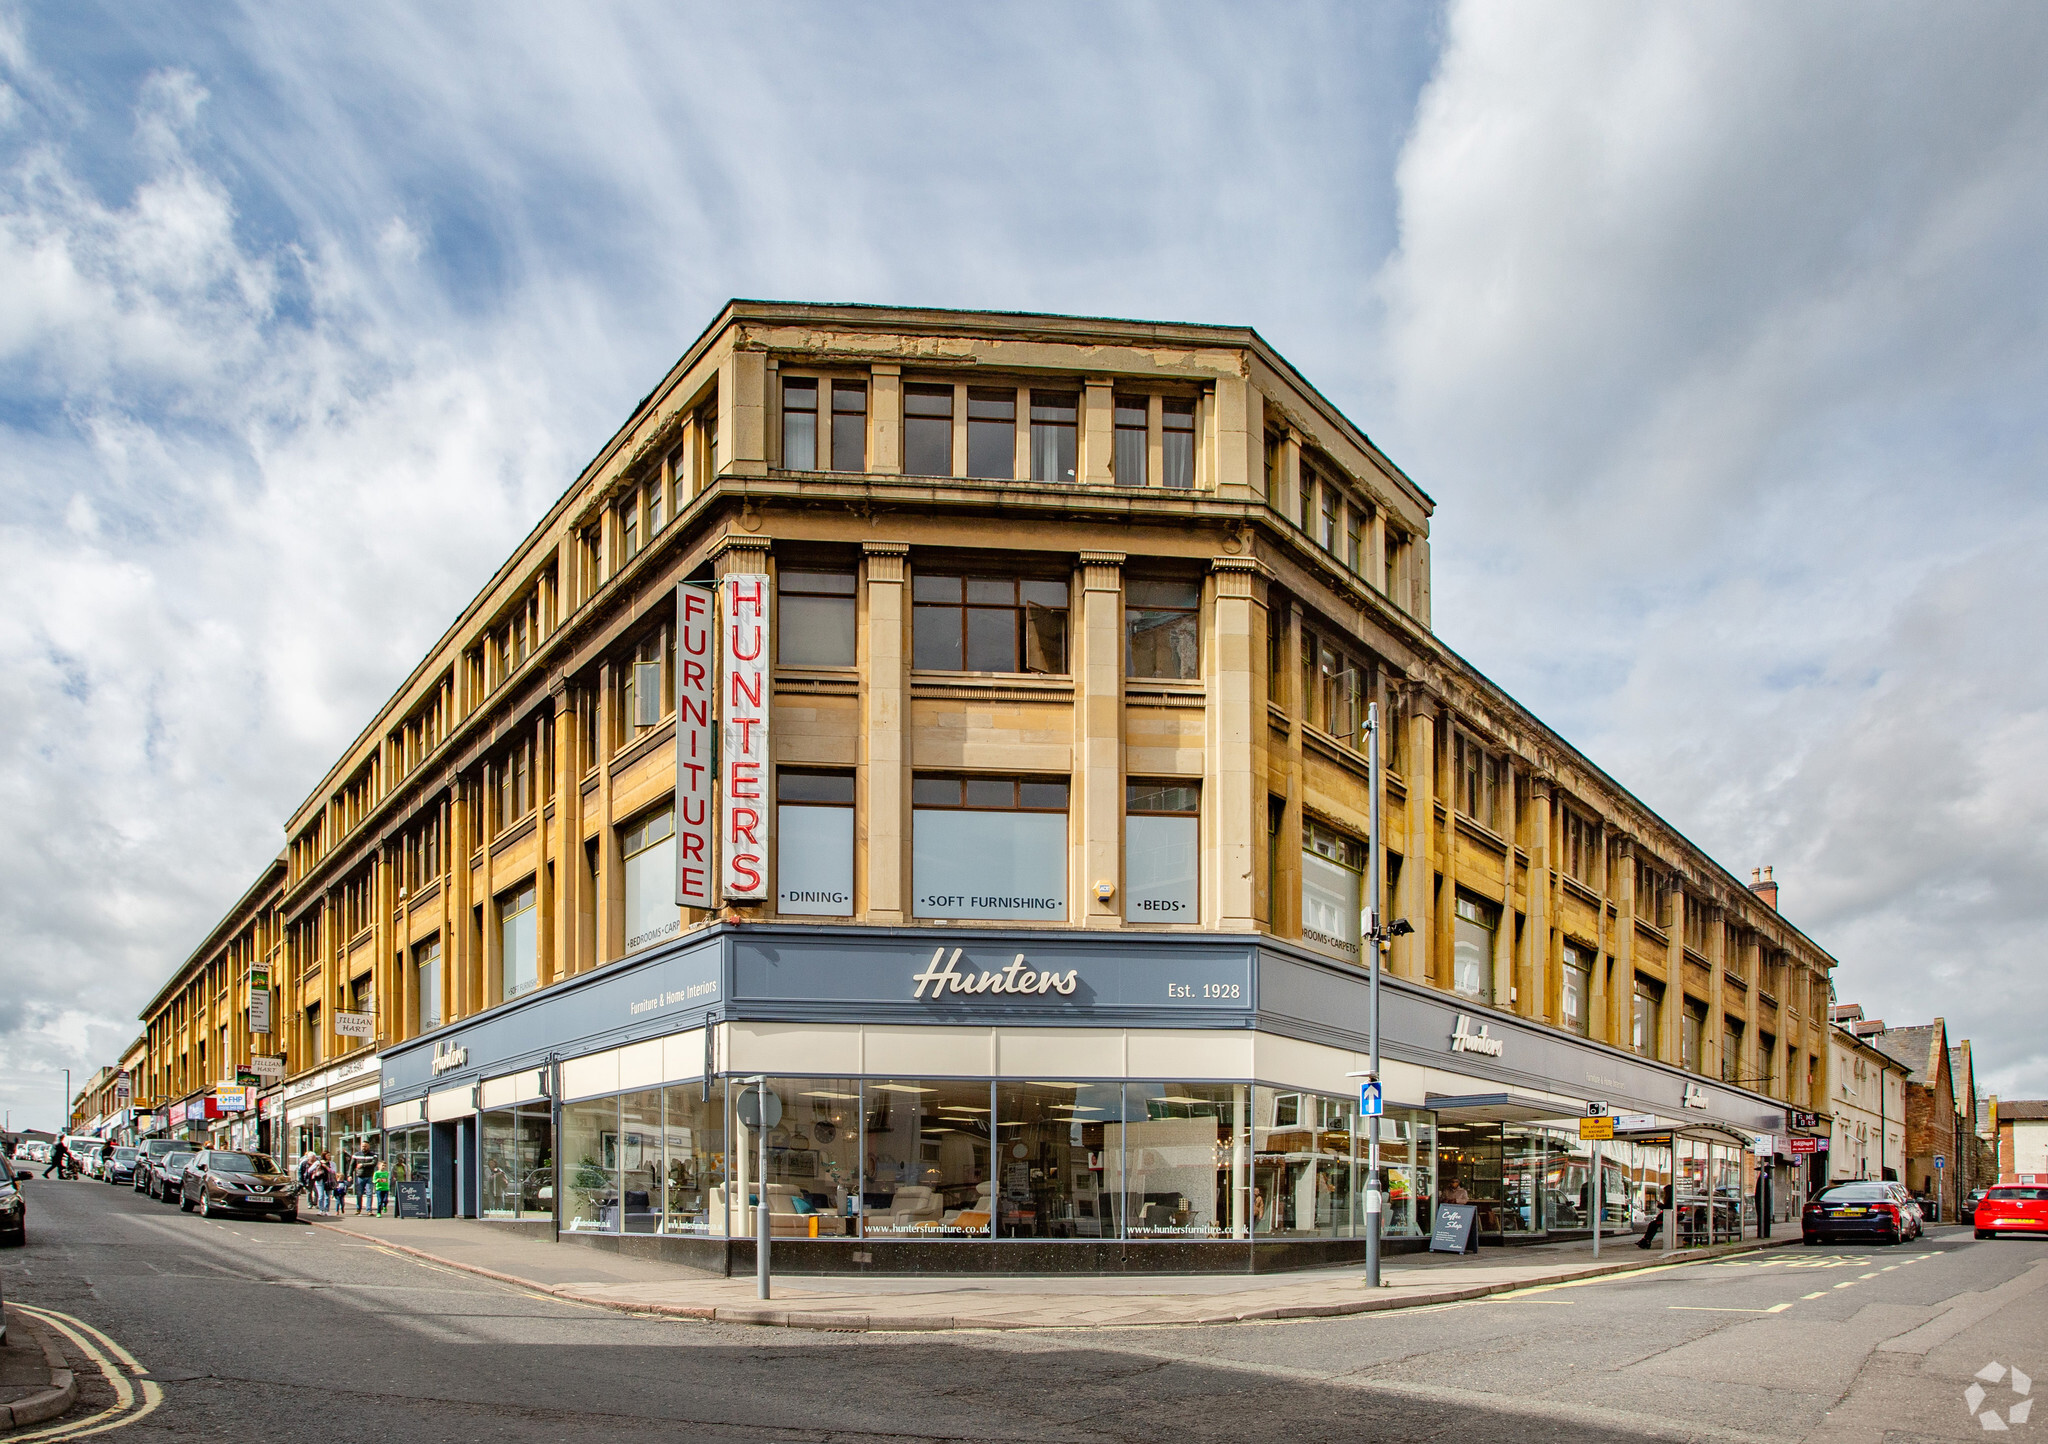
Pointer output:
1846, 1284
1887, 1268
123, 1411
1706, 1309
1821, 1295
1873, 1275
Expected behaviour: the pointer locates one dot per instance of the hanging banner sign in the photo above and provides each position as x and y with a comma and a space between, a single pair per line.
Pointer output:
259, 1000
355, 1025
743, 760
268, 1067
696, 685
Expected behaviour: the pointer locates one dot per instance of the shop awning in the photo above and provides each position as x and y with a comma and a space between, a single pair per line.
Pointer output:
1496, 1108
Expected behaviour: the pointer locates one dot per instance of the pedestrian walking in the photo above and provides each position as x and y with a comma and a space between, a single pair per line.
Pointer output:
328, 1178
363, 1166
382, 1179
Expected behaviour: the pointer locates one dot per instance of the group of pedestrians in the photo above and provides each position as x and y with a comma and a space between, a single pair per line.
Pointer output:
360, 1175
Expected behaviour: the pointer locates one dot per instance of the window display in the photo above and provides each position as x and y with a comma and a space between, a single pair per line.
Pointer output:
1183, 1161
518, 1163
927, 1160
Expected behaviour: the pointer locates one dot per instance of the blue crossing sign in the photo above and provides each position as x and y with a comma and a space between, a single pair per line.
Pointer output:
1371, 1103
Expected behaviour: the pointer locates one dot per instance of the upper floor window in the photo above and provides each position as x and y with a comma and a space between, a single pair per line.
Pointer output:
992, 433
1333, 688
629, 526
1646, 1008
1475, 780
1472, 933
989, 847
518, 942
800, 423
1575, 988
1332, 891
645, 689
1326, 517
1579, 844
1162, 628
512, 785
928, 430
1177, 443
1162, 851
1129, 454
988, 624
1055, 417
1692, 1035
815, 618
1354, 540
813, 843
849, 426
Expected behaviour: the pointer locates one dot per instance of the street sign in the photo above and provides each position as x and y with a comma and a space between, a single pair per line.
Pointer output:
268, 1067
1941, 1160
259, 1000
1635, 1122
232, 1099
1372, 1102
1805, 1145
1597, 1109
1454, 1228
355, 1025
1600, 1128
748, 1106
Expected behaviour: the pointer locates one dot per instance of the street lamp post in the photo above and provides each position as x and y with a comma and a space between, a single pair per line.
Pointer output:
1373, 939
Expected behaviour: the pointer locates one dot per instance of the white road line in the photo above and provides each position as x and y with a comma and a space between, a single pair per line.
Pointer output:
1846, 1284
1821, 1295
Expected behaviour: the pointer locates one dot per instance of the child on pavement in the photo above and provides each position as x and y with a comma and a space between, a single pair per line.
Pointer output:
382, 1179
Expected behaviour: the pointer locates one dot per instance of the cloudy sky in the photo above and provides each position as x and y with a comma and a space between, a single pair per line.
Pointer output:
1717, 332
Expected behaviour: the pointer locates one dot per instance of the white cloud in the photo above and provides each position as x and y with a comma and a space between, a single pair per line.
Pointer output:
1717, 333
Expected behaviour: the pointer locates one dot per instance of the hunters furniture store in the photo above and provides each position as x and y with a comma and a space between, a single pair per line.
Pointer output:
957, 719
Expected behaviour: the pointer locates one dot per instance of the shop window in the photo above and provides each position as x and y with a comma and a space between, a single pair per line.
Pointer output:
519, 951
1303, 1170
1177, 444
1162, 628
815, 617
649, 850
988, 624
800, 423
928, 430
1473, 926
849, 426
1575, 988
1054, 418
989, 847
590, 1166
992, 434
929, 1158
1178, 1162
695, 1171
814, 843
1127, 462
1162, 850
516, 1173
1053, 1170
1332, 891
1645, 1016
1692, 1031
426, 967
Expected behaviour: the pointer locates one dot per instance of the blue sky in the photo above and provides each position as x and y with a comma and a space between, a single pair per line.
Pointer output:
1716, 332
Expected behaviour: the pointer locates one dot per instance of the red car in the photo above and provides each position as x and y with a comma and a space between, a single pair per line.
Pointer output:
2012, 1208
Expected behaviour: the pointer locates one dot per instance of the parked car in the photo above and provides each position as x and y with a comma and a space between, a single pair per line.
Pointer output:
2012, 1208
168, 1175
33, 1151
147, 1154
1858, 1210
1909, 1205
1967, 1211
121, 1167
13, 1211
220, 1181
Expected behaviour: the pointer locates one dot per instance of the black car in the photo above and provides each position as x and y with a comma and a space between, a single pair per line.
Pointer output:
147, 1154
13, 1210
167, 1174
1863, 1210
121, 1167
222, 1181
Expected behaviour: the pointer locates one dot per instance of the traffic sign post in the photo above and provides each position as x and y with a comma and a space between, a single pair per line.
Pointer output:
760, 1110
1596, 1127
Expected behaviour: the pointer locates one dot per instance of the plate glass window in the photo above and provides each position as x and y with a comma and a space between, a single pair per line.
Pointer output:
518, 945
800, 424
928, 430
814, 843
928, 1158
1054, 421
1162, 850
1332, 891
427, 973
1472, 948
1162, 628
1127, 461
992, 434
816, 616
989, 847
649, 848
989, 624
1643, 1020
849, 426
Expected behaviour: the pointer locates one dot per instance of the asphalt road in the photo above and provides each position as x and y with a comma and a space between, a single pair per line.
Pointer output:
263, 1332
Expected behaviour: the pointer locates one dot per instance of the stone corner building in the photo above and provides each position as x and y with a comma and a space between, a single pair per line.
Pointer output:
1075, 624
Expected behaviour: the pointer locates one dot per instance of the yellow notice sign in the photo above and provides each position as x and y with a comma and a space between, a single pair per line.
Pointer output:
1596, 1129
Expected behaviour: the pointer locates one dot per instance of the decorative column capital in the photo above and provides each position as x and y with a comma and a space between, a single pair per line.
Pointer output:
740, 552
1239, 576
1102, 571
885, 560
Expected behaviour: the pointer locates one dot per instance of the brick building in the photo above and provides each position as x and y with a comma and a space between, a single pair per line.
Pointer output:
2022, 1137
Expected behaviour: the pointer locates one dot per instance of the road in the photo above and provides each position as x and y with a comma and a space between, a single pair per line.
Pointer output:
267, 1332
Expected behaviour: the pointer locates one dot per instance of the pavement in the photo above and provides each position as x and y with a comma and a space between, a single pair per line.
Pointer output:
35, 1381
867, 1302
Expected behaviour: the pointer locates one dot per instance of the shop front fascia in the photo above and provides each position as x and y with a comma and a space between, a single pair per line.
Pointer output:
335, 1106
1143, 1034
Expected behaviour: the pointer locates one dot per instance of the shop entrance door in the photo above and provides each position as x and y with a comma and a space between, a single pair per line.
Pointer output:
441, 1168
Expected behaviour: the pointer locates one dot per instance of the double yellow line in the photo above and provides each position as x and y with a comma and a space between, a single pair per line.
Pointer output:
135, 1397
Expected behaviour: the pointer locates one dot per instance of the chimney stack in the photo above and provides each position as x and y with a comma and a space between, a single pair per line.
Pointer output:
1760, 883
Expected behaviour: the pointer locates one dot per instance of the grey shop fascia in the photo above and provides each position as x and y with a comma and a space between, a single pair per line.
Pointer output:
1041, 978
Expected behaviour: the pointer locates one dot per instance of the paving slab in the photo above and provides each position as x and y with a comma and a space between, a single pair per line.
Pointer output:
938, 1301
